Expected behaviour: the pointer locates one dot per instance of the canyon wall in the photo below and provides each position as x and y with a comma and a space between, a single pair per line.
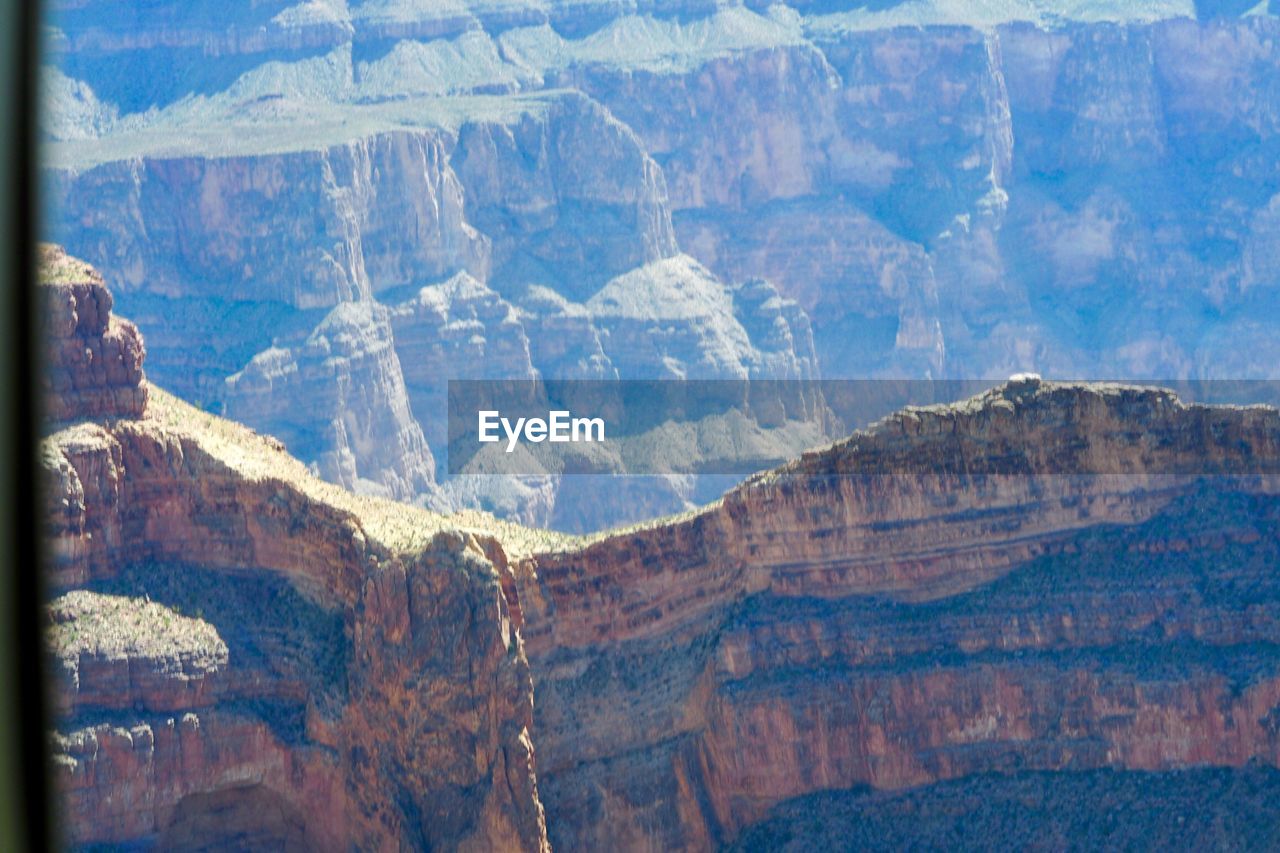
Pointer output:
334, 351
932, 194
1046, 586
242, 655
1028, 581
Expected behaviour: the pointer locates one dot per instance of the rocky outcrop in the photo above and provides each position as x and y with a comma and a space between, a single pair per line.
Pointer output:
570, 197
1047, 578
456, 330
562, 339
873, 295
1025, 580
779, 329
356, 427
828, 524
245, 655
398, 717
93, 361
118, 652
669, 320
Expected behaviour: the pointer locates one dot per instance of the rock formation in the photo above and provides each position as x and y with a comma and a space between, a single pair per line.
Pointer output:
860, 159
243, 655
460, 329
1044, 578
562, 338
395, 244
1044, 588
672, 320
339, 399
93, 361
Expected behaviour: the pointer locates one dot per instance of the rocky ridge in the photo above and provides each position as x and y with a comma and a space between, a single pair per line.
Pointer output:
231, 636
1047, 578
1037, 578
860, 160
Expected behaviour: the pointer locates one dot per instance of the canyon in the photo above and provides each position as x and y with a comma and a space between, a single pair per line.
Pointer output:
244, 655
1052, 595
319, 213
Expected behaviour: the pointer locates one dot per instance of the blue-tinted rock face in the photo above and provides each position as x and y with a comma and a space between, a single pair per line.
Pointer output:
927, 194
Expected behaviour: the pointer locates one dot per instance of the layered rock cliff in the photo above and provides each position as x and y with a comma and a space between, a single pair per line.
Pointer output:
92, 361
1044, 587
339, 399
1044, 578
940, 191
243, 655
319, 323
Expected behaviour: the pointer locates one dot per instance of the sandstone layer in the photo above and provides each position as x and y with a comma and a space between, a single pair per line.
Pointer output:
1047, 577
244, 655
1048, 581
93, 361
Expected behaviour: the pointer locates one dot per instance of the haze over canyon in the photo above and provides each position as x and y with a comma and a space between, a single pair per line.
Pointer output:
318, 213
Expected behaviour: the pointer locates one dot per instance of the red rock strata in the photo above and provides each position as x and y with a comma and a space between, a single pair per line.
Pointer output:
93, 360
862, 616
1047, 577
239, 658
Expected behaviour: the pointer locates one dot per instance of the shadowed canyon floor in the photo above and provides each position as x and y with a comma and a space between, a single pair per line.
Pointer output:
1053, 596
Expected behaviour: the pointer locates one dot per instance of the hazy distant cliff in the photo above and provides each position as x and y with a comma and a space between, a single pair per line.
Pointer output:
935, 194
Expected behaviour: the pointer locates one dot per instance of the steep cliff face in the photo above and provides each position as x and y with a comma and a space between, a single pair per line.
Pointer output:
563, 341
93, 361
194, 245
1167, 188
871, 172
399, 716
1043, 582
571, 200
942, 192
385, 209
460, 329
819, 167
244, 655
1021, 582
279, 320
339, 399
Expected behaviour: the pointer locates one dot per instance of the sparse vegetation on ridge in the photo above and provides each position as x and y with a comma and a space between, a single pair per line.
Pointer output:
85, 622
400, 527
54, 266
